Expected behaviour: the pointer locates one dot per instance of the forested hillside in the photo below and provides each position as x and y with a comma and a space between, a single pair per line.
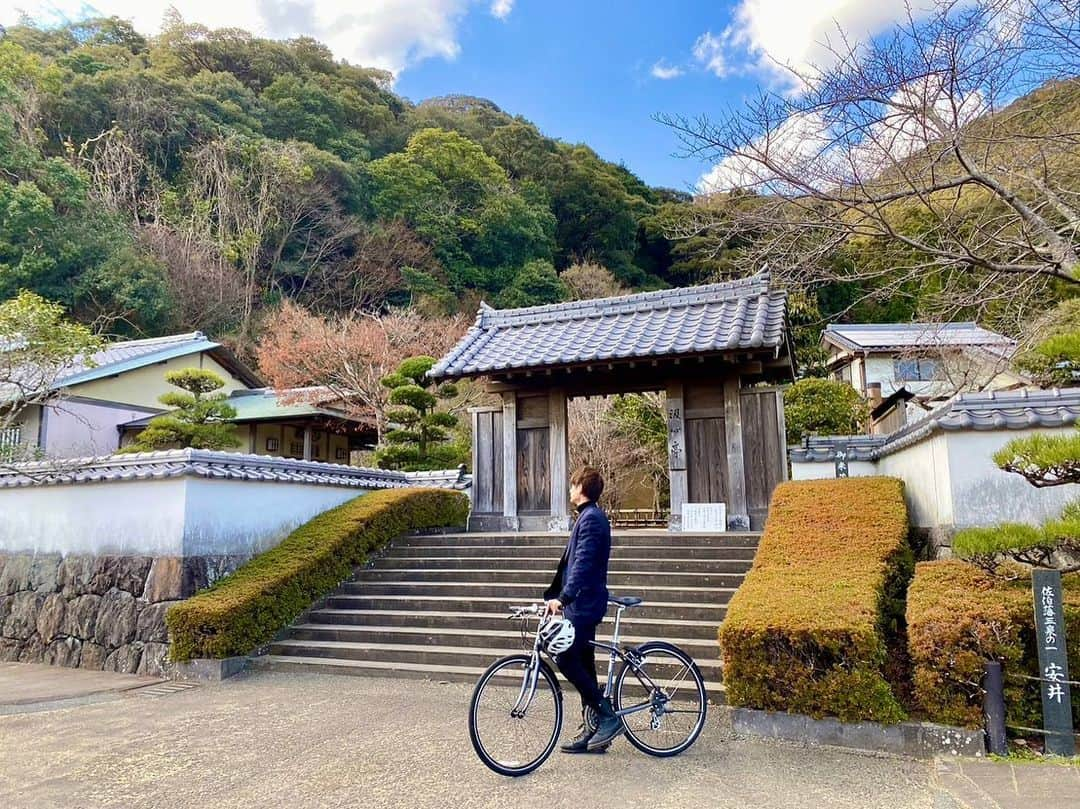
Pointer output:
198, 178
202, 179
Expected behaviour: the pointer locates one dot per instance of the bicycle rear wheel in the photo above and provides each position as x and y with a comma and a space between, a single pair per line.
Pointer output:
515, 742
669, 681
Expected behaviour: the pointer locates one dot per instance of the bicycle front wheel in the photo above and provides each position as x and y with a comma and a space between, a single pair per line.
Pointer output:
511, 735
666, 680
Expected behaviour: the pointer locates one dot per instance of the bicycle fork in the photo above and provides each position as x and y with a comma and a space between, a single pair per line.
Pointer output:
528, 687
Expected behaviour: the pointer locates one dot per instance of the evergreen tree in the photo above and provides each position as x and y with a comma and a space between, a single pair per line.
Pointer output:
200, 419
419, 440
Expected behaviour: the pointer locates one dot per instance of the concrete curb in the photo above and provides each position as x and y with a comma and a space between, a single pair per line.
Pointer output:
922, 740
206, 669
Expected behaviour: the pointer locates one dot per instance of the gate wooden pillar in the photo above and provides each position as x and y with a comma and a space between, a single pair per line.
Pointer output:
510, 462
677, 476
738, 516
560, 461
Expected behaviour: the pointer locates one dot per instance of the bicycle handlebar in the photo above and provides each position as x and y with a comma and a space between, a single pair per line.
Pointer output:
530, 609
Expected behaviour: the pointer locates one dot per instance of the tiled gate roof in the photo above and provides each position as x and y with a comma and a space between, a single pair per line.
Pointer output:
743, 315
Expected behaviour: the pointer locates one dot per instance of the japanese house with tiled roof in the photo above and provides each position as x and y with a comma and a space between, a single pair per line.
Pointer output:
918, 365
715, 351
100, 403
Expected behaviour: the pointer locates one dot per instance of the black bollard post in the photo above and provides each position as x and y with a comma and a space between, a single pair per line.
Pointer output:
994, 709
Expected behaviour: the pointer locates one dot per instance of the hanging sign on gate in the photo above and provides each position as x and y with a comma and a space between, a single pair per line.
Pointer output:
1053, 665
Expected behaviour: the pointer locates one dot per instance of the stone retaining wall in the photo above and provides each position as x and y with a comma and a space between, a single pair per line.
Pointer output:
96, 612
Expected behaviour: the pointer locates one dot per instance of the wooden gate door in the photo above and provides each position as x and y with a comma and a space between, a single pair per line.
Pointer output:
764, 448
487, 461
706, 444
533, 456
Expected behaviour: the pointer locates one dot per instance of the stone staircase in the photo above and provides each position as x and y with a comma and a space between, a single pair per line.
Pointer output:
435, 606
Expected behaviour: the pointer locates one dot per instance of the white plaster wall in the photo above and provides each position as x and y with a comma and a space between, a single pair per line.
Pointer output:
123, 517
881, 369
75, 429
951, 481
858, 375
827, 469
982, 494
925, 469
169, 517
246, 517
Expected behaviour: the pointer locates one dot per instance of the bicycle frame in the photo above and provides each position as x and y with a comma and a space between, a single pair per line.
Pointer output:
627, 657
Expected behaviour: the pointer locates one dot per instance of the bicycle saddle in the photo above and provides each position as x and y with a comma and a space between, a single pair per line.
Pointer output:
625, 601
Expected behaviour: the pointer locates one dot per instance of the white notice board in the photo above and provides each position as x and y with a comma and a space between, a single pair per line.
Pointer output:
704, 517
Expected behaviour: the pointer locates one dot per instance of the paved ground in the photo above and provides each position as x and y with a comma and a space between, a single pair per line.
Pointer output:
982, 784
23, 685
326, 741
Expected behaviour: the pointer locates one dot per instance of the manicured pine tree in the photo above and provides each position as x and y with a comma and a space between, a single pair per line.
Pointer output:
418, 441
200, 419
1043, 460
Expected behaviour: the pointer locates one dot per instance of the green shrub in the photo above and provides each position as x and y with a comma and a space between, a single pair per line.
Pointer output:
959, 617
985, 546
822, 406
1055, 361
1051, 545
807, 632
248, 607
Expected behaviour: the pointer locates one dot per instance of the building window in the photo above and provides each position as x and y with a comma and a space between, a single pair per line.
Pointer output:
272, 445
341, 454
915, 369
10, 441
296, 449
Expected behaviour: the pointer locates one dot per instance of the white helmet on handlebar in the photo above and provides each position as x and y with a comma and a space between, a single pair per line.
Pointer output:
557, 635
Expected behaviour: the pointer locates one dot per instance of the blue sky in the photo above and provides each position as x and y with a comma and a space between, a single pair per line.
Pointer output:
581, 72
591, 71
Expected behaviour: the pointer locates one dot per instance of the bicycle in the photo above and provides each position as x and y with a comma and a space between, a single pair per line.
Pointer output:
516, 712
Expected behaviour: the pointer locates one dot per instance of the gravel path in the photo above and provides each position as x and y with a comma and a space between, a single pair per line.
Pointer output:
286, 740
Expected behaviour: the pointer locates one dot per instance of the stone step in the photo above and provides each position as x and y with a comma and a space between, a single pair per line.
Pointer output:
374, 668
554, 551
618, 540
527, 592
468, 656
631, 623
475, 637
499, 604
548, 564
542, 578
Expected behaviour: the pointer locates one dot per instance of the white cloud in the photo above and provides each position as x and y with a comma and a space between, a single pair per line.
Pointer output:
777, 35
388, 34
846, 149
796, 143
662, 70
502, 8
709, 51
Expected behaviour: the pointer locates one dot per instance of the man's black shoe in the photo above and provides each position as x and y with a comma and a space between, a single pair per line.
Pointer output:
580, 743
609, 727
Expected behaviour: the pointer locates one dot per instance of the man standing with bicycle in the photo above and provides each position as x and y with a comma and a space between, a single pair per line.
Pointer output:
579, 589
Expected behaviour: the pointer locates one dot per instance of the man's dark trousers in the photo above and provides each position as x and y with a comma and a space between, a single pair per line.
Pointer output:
581, 585
578, 665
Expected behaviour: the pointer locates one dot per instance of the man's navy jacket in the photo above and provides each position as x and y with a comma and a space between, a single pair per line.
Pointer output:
581, 580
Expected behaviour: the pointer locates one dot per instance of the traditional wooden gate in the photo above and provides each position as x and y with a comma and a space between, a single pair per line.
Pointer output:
764, 447
533, 456
487, 450
711, 348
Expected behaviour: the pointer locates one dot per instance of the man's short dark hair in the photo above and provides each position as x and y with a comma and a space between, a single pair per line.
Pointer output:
590, 481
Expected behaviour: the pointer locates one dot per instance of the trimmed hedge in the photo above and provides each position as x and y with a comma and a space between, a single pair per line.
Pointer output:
807, 632
960, 616
248, 607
